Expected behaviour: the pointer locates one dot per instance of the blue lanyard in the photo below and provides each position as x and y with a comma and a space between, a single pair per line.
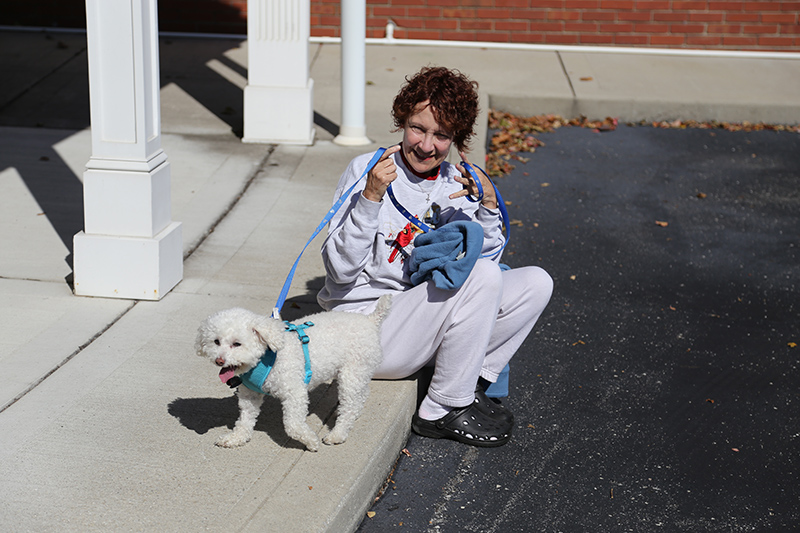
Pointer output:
500, 204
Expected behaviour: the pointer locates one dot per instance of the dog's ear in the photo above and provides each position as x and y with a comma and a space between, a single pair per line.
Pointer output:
202, 332
268, 332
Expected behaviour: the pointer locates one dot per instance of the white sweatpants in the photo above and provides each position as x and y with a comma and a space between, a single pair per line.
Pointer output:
470, 332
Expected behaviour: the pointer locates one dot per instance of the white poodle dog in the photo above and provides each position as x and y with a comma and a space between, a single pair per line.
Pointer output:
345, 346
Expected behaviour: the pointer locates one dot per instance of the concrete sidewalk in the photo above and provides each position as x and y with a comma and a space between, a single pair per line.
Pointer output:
108, 419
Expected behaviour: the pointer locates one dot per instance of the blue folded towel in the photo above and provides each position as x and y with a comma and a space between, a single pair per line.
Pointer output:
446, 255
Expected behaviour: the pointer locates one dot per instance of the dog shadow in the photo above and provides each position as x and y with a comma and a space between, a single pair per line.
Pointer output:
202, 415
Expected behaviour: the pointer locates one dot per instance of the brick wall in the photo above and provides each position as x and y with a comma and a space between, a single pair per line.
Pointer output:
707, 24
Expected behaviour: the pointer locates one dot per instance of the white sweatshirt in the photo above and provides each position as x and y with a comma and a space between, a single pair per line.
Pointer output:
363, 256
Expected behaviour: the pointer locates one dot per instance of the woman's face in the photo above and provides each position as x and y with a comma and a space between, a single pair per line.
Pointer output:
425, 143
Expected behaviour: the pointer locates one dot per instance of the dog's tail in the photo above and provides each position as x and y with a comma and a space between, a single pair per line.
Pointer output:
380, 312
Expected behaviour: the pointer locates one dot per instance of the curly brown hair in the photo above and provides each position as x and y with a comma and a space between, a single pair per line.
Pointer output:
453, 100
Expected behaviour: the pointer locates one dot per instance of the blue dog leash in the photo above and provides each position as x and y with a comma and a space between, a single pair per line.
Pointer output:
276, 312
254, 379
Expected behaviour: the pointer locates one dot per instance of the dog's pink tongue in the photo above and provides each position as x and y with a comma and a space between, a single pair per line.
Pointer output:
227, 373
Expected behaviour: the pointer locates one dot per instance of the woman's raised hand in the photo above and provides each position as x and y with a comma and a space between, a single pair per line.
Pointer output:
489, 198
382, 174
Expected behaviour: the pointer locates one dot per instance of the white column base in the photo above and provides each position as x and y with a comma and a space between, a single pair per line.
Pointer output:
352, 136
281, 115
135, 268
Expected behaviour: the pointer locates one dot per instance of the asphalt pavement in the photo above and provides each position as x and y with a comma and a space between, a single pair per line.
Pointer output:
108, 419
659, 390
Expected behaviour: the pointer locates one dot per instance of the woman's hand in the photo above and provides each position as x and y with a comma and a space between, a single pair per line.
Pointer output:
382, 174
489, 198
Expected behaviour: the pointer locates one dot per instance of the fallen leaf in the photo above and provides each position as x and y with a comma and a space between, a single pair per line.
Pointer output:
672, 308
310, 487
662, 224
531, 426
587, 78
573, 277
701, 195
545, 184
405, 451
578, 342
791, 344
709, 400
735, 449
370, 513
516, 222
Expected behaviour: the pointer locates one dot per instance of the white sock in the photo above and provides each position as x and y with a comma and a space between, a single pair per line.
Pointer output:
432, 410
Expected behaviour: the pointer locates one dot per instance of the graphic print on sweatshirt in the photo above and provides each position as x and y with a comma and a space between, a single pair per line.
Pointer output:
403, 243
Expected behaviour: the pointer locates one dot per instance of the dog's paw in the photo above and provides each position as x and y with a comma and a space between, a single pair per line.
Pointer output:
231, 440
334, 437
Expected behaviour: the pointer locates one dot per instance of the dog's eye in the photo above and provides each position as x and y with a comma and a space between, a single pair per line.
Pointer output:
216, 341
237, 344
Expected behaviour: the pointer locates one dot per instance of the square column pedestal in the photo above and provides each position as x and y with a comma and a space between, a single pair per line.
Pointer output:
130, 248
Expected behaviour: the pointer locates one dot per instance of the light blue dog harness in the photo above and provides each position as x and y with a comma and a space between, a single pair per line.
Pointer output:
254, 379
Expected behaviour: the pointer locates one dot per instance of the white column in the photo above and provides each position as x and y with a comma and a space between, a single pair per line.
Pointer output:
353, 130
279, 96
130, 247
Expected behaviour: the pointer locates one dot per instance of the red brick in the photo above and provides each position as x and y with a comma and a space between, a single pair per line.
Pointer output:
493, 13
422, 34
530, 38
775, 41
329, 21
561, 38
790, 30
563, 15
726, 6
686, 28
581, 27
783, 18
598, 15
616, 28
760, 28
324, 32
511, 26
790, 6
550, 4
762, 6
529, 14
635, 16
631, 39
617, 4
439, 24
741, 17
699, 6
458, 13
596, 39
723, 28
739, 41
424, 12
651, 28
649, 5
703, 40
546, 26
705, 17
476, 25
581, 4
660, 16
511, 3
443, 3
666, 40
